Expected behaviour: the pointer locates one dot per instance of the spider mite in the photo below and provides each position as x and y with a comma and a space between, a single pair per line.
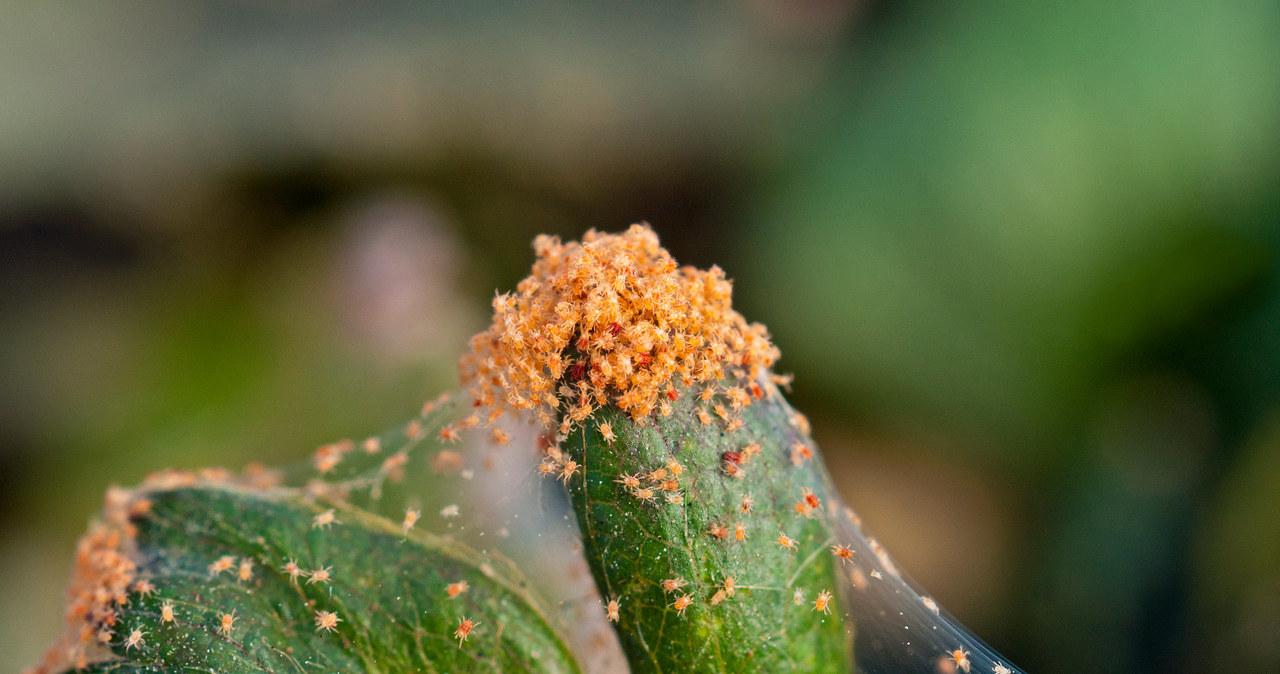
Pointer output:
672, 584
134, 639
740, 531
324, 520
800, 453
783, 380
410, 518
464, 630
327, 621
822, 603
226, 623
320, 575
809, 498
843, 552
961, 658
455, 589
611, 610
224, 563
606, 432
787, 541
166, 612
681, 603
291, 567
800, 422
570, 467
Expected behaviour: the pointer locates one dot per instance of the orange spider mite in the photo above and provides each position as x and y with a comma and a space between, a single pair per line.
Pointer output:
464, 630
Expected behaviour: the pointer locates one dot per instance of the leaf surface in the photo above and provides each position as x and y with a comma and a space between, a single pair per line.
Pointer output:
387, 589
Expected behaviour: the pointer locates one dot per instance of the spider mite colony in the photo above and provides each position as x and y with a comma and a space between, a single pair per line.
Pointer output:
706, 535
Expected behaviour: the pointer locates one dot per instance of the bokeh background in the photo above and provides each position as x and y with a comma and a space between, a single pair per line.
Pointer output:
1022, 258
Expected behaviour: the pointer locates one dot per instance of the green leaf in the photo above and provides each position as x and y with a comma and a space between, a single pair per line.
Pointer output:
388, 590
634, 544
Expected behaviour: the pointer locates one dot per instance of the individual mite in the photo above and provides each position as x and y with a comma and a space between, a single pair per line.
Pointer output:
464, 630
327, 621
823, 602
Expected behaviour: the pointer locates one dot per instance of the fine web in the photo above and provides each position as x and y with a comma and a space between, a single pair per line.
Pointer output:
899, 628
477, 492
492, 498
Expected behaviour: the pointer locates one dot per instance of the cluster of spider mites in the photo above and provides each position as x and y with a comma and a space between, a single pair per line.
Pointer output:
611, 321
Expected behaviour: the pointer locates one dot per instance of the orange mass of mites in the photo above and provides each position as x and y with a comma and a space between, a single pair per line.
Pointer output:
616, 320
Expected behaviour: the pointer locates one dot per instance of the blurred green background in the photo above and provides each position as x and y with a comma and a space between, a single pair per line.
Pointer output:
1022, 260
